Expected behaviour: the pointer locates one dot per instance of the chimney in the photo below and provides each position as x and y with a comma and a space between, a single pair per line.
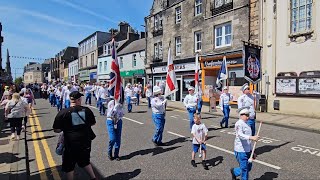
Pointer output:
142, 35
124, 27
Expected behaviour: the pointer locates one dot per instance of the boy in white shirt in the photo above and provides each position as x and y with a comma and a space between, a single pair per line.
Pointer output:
200, 134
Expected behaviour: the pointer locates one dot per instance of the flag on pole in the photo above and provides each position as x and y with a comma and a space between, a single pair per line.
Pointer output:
223, 74
171, 80
115, 86
196, 75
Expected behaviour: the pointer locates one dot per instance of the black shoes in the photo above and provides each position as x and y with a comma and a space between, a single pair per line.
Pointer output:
117, 158
158, 144
204, 165
232, 174
193, 163
221, 124
154, 143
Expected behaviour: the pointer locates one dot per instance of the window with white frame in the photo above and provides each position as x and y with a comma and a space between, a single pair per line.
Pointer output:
105, 48
100, 66
197, 41
178, 15
134, 60
198, 7
156, 51
158, 22
92, 59
105, 66
160, 50
178, 46
109, 49
301, 16
223, 35
121, 62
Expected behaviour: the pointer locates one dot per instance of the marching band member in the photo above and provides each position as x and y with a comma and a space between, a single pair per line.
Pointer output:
225, 98
158, 104
190, 102
129, 93
59, 98
103, 95
148, 95
247, 100
137, 92
114, 127
66, 96
88, 90
243, 146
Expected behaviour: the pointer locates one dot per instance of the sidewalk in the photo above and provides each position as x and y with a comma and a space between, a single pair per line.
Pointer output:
12, 154
284, 120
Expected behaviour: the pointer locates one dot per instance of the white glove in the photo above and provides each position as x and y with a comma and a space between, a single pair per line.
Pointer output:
221, 108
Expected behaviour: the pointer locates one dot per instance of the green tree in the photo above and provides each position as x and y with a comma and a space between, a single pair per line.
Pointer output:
18, 80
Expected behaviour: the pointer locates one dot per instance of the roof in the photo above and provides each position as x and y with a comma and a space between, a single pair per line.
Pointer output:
135, 46
96, 32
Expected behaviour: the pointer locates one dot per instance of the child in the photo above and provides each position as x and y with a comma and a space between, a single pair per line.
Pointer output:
200, 134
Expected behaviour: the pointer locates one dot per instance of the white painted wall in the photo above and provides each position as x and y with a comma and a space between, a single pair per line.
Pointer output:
128, 58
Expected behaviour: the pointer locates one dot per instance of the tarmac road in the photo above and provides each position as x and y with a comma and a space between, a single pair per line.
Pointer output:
282, 153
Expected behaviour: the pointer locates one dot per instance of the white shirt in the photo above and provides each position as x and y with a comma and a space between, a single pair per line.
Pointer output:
199, 131
103, 92
136, 90
247, 101
114, 110
190, 101
225, 98
243, 132
158, 105
17, 109
96, 91
128, 92
74, 88
88, 89
66, 95
148, 92
59, 93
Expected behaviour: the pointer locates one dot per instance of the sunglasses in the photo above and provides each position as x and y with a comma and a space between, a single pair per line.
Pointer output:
245, 115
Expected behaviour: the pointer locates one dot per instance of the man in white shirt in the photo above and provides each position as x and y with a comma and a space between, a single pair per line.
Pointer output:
128, 93
88, 90
58, 98
225, 98
137, 92
66, 96
190, 102
148, 95
103, 95
243, 146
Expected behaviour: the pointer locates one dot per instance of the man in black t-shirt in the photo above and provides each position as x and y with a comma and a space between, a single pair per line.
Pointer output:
76, 122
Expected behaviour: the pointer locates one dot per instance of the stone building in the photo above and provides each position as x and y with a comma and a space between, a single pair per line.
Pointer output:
291, 38
35, 72
211, 28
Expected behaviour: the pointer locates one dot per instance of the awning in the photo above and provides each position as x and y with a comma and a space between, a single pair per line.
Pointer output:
138, 72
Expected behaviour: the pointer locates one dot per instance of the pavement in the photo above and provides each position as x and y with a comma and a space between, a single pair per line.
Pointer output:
283, 153
283, 120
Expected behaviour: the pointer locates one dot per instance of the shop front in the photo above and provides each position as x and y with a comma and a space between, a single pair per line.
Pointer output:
84, 76
133, 76
210, 66
93, 76
184, 75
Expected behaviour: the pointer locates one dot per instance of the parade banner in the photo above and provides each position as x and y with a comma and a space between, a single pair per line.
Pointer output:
252, 63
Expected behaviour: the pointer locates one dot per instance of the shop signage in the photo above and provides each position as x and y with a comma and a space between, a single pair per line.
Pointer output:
105, 77
219, 62
177, 68
138, 72
84, 73
93, 75
252, 63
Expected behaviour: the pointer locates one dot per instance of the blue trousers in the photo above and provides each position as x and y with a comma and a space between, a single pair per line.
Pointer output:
252, 124
129, 104
226, 112
191, 112
245, 167
114, 137
67, 103
159, 121
88, 98
200, 106
138, 100
102, 107
98, 102
52, 99
58, 102
149, 102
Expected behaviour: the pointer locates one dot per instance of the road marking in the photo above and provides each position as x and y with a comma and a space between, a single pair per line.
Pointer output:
186, 120
174, 117
46, 148
230, 152
132, 120
176, 134
37, 151
309, 147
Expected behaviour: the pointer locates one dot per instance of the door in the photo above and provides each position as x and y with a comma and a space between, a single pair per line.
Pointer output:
178, 93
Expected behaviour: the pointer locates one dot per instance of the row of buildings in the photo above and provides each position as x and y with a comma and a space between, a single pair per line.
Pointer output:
287, 32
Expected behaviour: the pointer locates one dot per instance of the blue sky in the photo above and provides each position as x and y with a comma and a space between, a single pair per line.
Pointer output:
41, 28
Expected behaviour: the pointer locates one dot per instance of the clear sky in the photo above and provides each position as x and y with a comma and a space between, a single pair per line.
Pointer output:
42, 28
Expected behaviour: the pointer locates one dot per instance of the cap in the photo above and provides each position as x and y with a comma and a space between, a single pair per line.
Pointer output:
75, 95
103, 83
244, 87
156, 90
128, 84
243, 110
225, 88
190, 88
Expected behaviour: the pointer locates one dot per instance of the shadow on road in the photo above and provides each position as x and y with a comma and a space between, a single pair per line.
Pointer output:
46, 130
45, 137
155, 151
133, 112
175, 141
268, 148
214, 161
37, 109
268, 176
124, 175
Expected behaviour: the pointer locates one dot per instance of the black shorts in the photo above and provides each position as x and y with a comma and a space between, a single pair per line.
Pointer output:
76, 155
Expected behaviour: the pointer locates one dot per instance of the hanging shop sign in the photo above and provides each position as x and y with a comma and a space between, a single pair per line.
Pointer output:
252, 63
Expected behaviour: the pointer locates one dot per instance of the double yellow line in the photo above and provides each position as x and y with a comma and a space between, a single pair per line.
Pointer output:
36, 127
